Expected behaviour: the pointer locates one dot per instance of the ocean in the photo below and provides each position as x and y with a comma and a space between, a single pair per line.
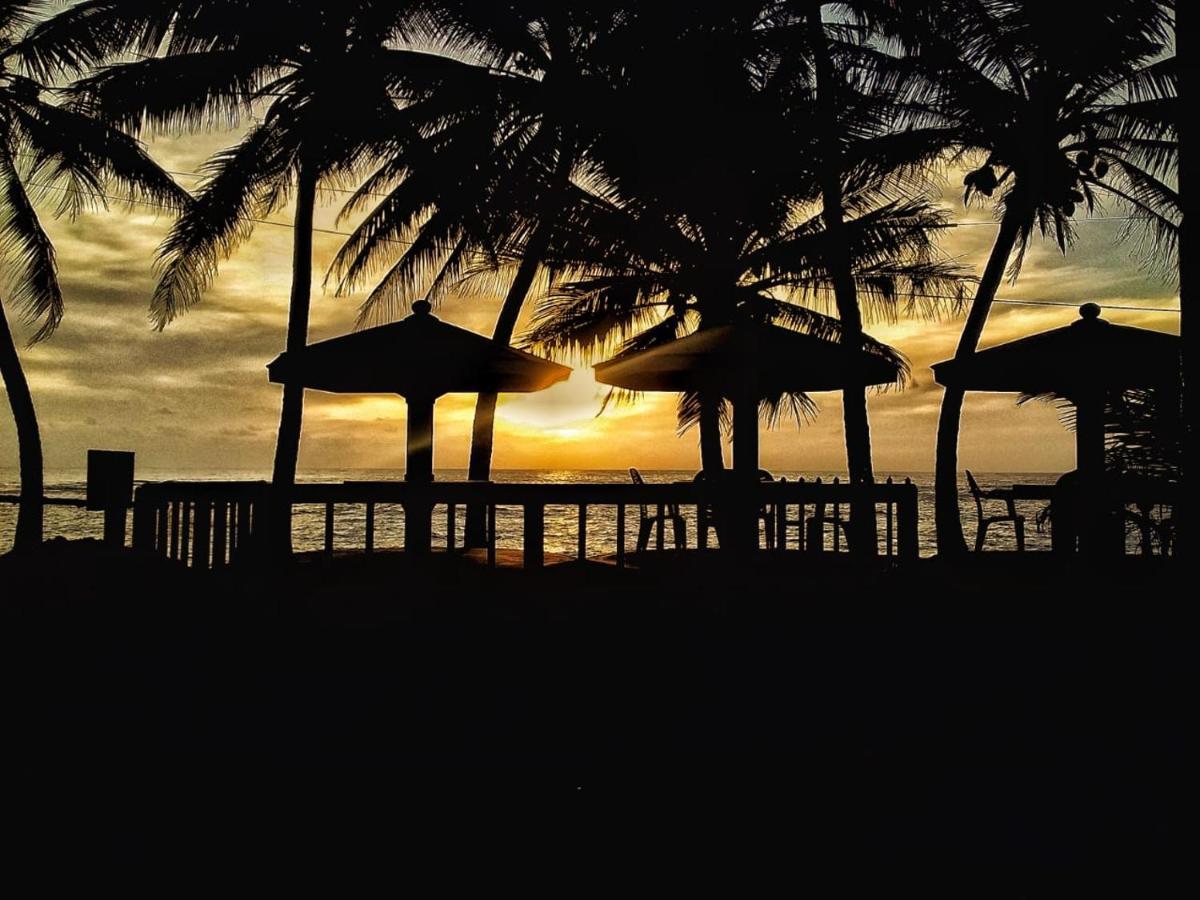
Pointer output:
561, 522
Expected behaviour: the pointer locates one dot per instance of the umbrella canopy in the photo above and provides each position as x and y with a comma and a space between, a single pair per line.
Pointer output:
1088, 355
419, 356
726, 358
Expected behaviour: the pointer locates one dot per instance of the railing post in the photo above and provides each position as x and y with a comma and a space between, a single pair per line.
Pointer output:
890, 508
620, 535
220, 530
451, 524
163, 520
909, 546
814, 536
145, 520
185, 545
202, 535
491, 535
837, 517
418, 519
800, 522
582, 550
535, 536
245, 539
781, 523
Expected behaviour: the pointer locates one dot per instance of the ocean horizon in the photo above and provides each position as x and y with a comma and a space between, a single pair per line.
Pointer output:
561, 522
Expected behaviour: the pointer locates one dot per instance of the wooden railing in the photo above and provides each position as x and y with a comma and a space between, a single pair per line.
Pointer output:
202, 524
214, 524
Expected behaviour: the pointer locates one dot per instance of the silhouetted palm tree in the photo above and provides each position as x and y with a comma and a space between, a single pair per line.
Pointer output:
662, 242
1070, 102
48, 150
321, 74
721, 211
503, 129
849, 99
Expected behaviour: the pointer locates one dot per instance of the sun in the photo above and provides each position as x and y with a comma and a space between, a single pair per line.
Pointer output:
569, 406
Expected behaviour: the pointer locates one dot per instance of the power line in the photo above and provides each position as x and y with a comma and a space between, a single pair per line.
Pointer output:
163, 206
336, 190
1059, 303
921, 296
994, 224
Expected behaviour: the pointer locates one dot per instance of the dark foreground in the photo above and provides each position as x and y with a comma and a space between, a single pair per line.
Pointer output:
999, 719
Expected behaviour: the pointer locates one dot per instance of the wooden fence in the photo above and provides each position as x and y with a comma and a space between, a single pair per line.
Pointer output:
214, 524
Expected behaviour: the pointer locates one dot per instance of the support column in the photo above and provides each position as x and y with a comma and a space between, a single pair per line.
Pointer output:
743, 505
1091, 492
418, 510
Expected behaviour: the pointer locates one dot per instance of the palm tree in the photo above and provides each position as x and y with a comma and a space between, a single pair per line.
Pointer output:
47, 150
324, 72
502, 134
663, 243
849, 95
634, 283
1062, 118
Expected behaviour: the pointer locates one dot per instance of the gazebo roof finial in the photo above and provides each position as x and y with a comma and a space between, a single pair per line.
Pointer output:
1089, 311
422, 308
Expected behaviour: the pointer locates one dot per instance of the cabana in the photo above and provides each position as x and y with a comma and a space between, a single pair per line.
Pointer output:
745, 362
420, 358
1084, 363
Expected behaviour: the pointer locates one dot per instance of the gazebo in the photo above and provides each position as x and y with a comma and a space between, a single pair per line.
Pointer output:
745, 362
420, 358
1084, 363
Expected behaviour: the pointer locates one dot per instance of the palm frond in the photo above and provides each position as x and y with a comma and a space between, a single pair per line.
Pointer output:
95, 159
28, 253
244, 182
191, 92
89, 32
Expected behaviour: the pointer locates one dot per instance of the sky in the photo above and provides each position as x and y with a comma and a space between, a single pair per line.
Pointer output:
196, 397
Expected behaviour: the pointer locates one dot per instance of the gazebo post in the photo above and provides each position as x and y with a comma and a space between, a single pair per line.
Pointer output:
745, 470
1089, 464
418, 512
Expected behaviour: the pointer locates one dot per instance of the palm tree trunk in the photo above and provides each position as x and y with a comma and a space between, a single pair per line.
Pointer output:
712, 455
947, 517
856, 422
287, 446
483, 427
29, 441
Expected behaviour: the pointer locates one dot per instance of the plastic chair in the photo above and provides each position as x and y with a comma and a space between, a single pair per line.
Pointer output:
985, 521
668, 512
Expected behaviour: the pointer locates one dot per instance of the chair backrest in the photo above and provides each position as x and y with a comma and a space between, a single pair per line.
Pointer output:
976, 493
636, 476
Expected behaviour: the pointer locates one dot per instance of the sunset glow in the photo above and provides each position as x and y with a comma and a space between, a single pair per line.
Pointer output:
211, 399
